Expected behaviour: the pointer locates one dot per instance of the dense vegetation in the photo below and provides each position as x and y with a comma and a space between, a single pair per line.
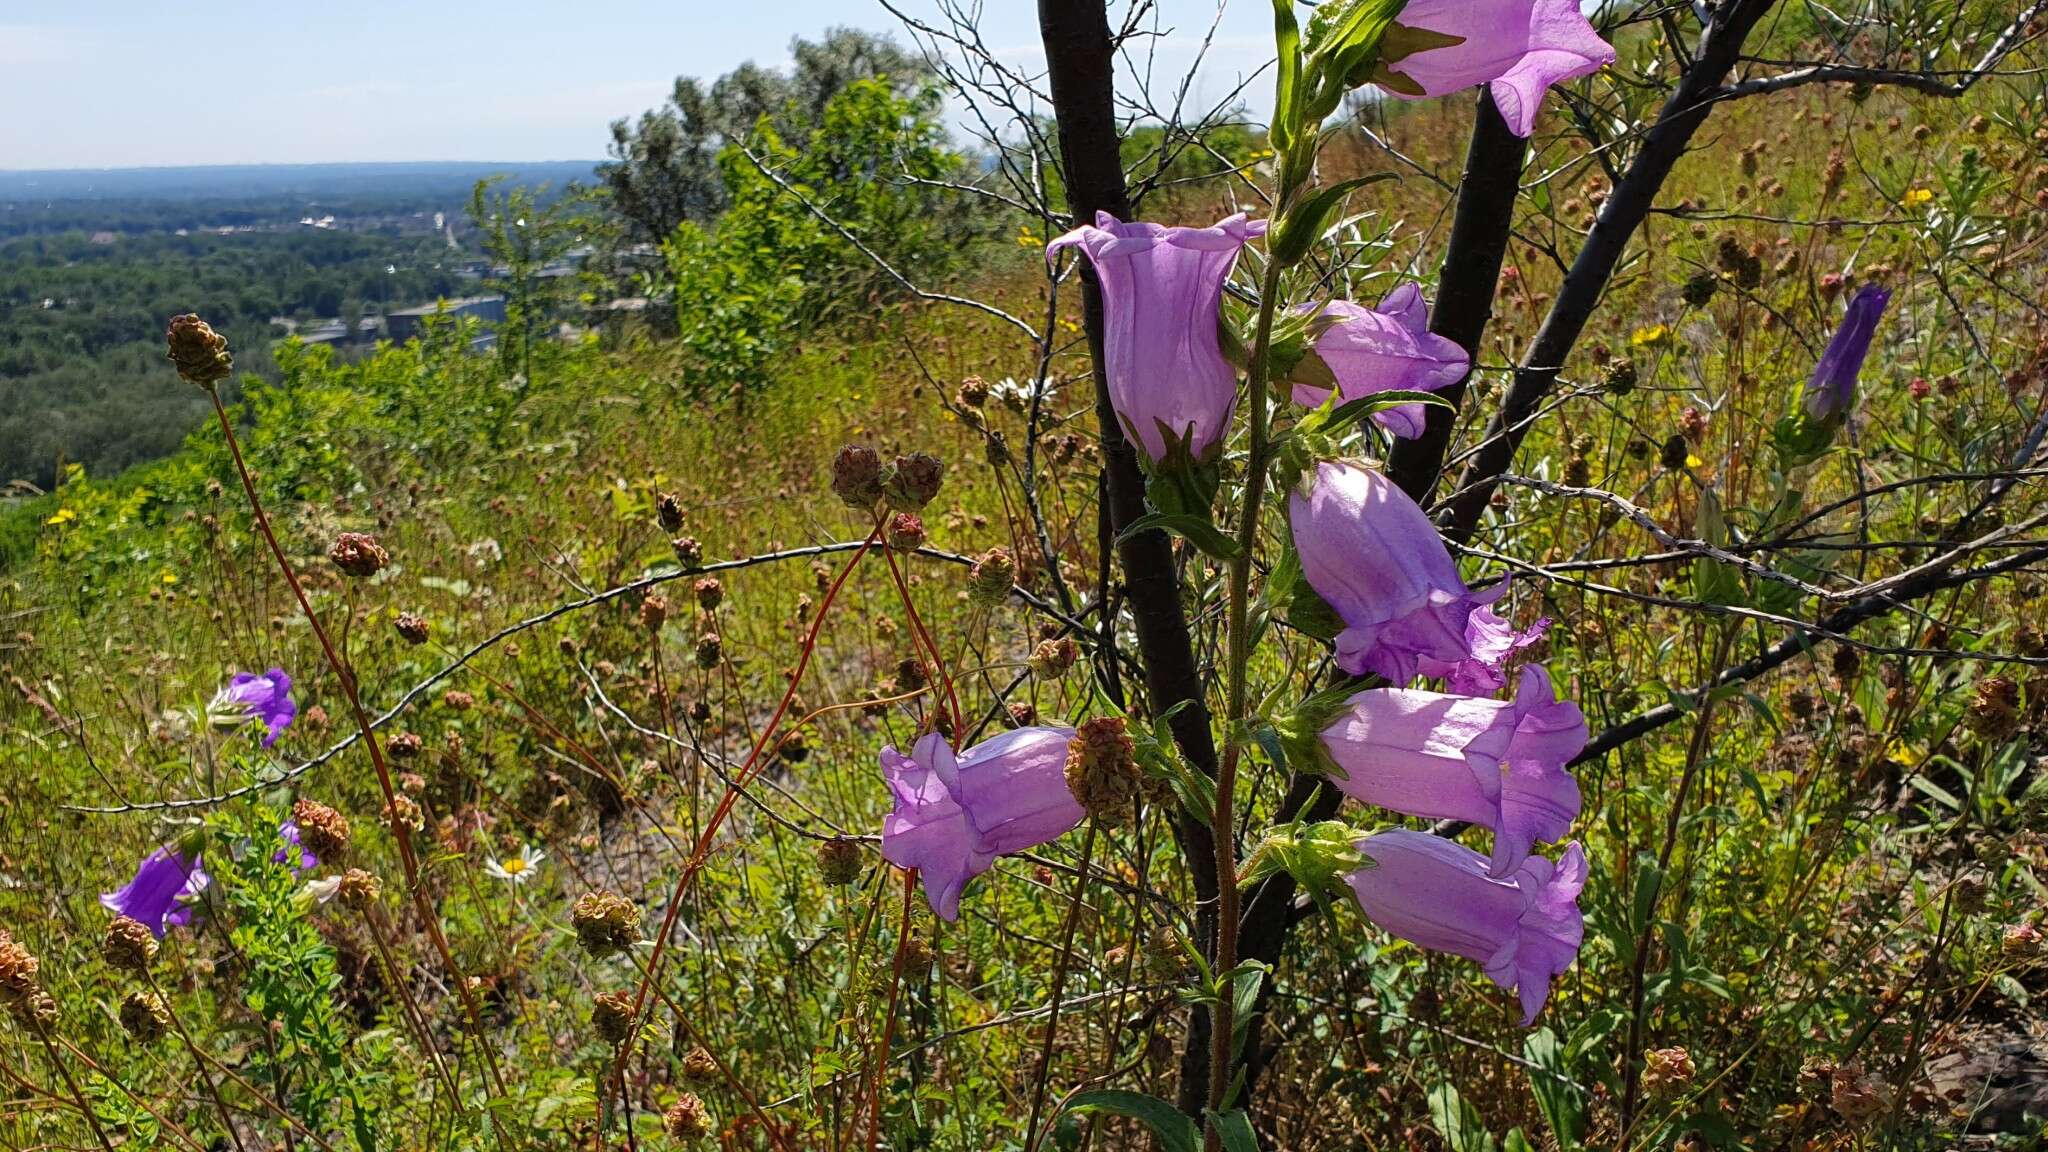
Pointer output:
630, 661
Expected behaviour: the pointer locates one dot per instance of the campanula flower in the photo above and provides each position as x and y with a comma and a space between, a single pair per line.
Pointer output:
294, 853
1525, 928
266, 699
1376, 559
954, 815
165, 884
1518, 48
1368, 350
1500, 763
1162, 290
1832, 389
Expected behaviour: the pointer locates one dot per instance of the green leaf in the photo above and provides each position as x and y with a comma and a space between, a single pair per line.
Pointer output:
1236, 1130
1560, 1103
1457, 1122
1194, 529
1305, 221
1352, 411
1287, 94
1176, 1132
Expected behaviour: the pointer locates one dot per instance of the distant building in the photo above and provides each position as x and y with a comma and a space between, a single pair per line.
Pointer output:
405, 324
330, 333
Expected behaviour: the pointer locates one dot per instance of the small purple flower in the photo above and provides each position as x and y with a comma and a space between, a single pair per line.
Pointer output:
1525, 929
266, 699
289, 833
1380, 349
1518, 48
1376, 559
1162, 289
1832, 388
165, 883
954, 816
1493, 762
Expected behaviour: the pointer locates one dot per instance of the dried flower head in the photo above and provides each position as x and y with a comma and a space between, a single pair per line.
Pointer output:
668, 512
1052, 658
857, 476
403, 812
1675, 453
322, 830
1857, 1095
359, 889
2023, 944
611, 1014
689, 553
1102, 768
129, 945
687, 1120
18, 968
1995, 707
710, 593
699, 1066
404, 745
1667, 1071
710, 651
906, 532
973, 392
145, 1016
605, 922
838, 861
412, 627
358, 554
653, 611
200, 353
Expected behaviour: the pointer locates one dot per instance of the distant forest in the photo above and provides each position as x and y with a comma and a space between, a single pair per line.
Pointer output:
93, 263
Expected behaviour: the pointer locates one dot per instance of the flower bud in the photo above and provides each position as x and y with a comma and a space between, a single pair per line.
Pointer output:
605, 923
145, 1016
912, 481
857, 476
839, 861
200, 353
906, 533
358, 554
1102, 768
129, 946
988, 582
412, 628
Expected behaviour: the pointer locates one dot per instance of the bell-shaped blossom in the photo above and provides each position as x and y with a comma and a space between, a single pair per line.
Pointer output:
266, 699
1499, 763
294, 853
1524, 929
1376, 559
165, 884
955, 815
1382, 349
1518, 48
1832, 388
1162, 293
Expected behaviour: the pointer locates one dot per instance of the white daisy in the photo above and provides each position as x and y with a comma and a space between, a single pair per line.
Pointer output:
516, 869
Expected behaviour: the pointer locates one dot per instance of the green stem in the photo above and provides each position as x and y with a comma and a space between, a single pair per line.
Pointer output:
1237, 661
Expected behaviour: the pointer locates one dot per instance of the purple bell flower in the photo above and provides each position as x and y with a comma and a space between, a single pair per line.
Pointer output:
1518, 48
165, 883
1832, 388
954, 816
1493, 762
1162, 289
293, 849
1376, 559
266, 698
1381, 349
1525, 928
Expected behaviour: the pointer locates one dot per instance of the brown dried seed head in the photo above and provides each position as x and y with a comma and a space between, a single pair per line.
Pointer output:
611, 1014
200, 353
605, 922
145, 1016
129, 945
1102, 768
687, 1120
322, 830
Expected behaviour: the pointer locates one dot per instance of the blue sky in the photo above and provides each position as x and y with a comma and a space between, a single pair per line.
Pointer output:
118, 83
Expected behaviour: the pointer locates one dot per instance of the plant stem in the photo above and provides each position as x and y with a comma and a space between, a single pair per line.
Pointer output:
64, 1070
1238, 660
399, 831
1059, 979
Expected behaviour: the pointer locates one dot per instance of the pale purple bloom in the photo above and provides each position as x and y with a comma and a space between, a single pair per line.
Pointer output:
289, 833
1162, 290
1518, 48
165, 883
1498, 763
955, 815
1833, 387
266, 699
1381, 349
1524, 929
1376, 559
